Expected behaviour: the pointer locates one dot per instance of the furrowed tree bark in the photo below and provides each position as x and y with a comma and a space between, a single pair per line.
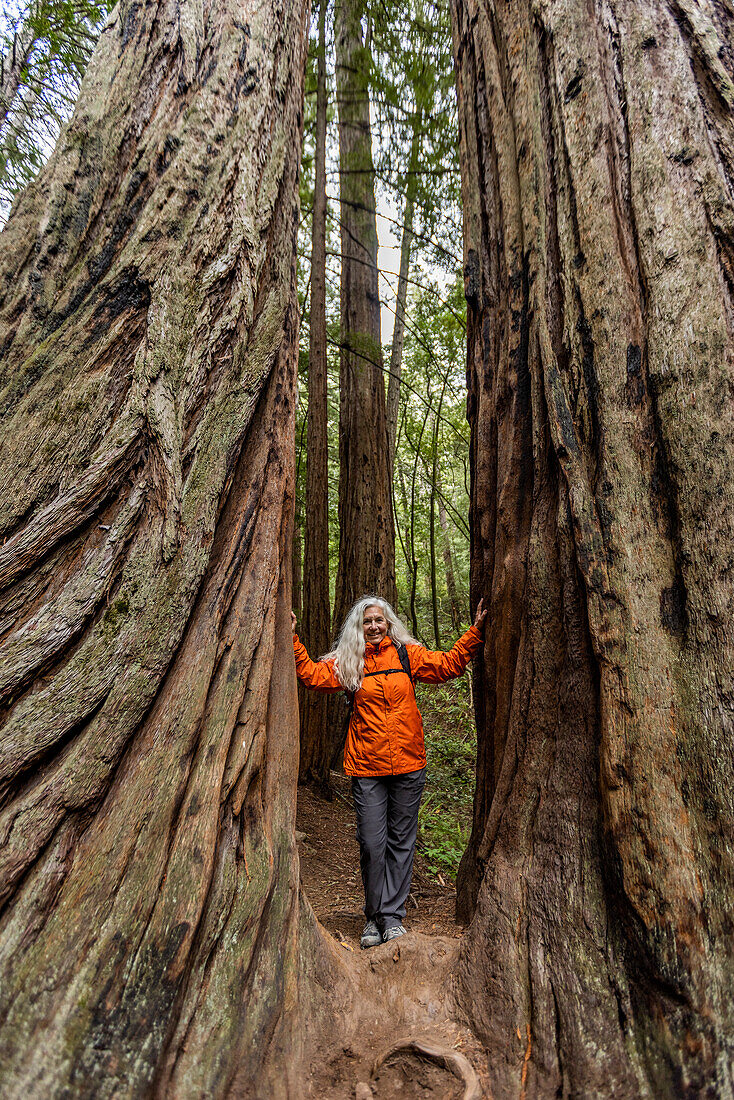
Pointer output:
597, 166
367, 541
149, 934
316, 748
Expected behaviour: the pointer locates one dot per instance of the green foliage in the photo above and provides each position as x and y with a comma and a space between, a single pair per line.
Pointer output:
445, 815
413, 97
432, 422
44, 50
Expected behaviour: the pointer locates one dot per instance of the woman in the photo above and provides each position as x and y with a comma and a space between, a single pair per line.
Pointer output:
376, 662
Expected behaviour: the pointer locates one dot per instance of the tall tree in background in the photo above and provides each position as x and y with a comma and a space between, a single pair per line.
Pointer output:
596, 146
151, 922
367, 541
316, 750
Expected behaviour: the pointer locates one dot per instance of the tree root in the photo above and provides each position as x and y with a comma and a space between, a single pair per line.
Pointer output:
456, 1063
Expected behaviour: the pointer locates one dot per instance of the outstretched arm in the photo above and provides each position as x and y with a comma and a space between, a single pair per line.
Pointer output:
318, 675
433, 667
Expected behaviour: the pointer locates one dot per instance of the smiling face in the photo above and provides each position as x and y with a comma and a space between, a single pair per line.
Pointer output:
375, 625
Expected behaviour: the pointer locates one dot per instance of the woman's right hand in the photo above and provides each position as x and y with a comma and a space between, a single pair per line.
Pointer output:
293, 622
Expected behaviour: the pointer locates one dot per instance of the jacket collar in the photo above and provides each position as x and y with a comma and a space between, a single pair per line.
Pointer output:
371, 650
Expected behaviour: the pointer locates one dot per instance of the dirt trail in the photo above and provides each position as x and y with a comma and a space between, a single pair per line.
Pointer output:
403, 988
329, 856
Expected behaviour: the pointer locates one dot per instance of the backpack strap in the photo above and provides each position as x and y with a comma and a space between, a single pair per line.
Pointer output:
405, 661
405, 667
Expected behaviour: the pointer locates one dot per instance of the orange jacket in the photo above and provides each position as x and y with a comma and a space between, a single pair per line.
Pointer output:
385, 735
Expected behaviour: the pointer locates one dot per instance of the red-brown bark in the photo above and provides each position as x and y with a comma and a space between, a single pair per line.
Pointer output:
596, 146
149, 935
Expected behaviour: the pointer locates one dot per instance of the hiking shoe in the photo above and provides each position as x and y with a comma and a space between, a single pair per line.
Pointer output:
393, 933
371, 935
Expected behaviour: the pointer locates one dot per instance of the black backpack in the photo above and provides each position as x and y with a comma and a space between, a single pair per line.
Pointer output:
405, 667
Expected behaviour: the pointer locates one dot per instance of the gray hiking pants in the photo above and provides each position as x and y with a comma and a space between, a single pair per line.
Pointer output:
387, 825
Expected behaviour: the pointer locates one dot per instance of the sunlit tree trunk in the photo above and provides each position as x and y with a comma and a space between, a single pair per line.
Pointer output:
149, 936
316, 749
596, 149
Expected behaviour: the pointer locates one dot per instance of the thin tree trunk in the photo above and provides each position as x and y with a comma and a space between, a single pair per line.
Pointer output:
432, 515
297, 564
596, 149
367, 542
316, 749
148, 324
411, 525
448, 562
13, 64
432, 550
406, 544
398, 336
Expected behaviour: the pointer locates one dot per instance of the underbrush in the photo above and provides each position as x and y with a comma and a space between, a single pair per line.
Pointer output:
444, 820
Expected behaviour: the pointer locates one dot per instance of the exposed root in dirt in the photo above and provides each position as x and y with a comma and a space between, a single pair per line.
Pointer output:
399, 1031
456, 1063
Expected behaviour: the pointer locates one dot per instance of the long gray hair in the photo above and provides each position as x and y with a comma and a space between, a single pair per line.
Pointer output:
349, 649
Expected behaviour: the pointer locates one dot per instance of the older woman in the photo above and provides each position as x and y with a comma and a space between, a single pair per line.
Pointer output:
377, 662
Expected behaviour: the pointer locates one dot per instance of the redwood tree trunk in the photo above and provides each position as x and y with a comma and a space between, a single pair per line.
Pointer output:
367, 541
597, 166
316, 749
148, 326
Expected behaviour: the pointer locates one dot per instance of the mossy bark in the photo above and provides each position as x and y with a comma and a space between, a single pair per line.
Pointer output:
150, 923
597, 146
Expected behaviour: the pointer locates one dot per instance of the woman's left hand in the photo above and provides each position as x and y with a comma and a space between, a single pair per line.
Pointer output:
481, 615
